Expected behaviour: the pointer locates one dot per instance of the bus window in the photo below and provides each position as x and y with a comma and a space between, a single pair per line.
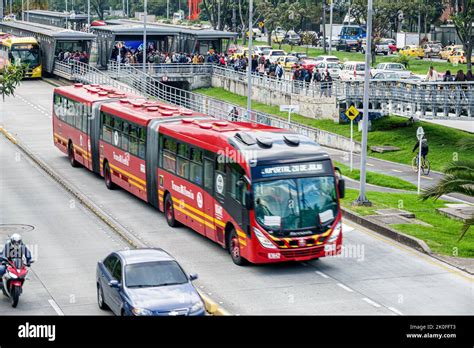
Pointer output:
195, 169
125, 136
208, 174
220, 178
169, 155
183, 161
142, 143
117, 132
236, 189
106, 128
133, 140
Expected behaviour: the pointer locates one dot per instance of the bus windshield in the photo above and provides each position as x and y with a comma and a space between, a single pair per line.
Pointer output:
25, 54
296, 203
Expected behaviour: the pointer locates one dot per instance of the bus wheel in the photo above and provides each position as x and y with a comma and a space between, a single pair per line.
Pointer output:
234, 248
70, 154
108, 177
169, 212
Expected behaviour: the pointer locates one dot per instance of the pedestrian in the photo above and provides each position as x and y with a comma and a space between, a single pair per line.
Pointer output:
432, 75
279, 71
234, 114
460, 77
469, 76
448, 77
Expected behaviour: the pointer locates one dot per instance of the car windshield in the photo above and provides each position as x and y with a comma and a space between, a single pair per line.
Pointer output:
152, 274
278, 53
295, 203
26, 54
360, 67
336, 60
334, 66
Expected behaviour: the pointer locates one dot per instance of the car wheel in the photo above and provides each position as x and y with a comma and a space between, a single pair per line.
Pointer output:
234, 249
100, 298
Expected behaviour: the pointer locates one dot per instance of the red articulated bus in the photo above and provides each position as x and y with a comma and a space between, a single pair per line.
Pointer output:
265, 194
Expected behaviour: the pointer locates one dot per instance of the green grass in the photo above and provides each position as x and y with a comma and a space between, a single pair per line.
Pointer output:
443, 234
377, 178
417, 66
391, 130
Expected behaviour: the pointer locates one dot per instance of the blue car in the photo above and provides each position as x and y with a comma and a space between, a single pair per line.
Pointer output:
146, 282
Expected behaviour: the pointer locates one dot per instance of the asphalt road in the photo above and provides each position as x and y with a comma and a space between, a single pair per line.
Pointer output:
66, 242
375, 276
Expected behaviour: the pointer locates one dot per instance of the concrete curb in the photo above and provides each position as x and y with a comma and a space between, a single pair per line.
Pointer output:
400, 237
211, 306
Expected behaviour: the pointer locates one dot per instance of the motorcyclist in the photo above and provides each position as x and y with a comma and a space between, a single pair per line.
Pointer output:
424, 147
14, 248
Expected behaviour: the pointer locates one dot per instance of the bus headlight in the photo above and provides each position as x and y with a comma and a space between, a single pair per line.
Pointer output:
264, 241
335, 234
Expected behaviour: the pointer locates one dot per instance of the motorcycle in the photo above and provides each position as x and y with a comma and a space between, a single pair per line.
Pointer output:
14, 278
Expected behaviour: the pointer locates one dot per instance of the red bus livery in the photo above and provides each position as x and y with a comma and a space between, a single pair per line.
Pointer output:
264, 193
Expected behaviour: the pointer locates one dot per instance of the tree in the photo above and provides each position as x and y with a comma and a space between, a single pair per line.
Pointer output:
458, 178
217, 12
463, 22
10, 78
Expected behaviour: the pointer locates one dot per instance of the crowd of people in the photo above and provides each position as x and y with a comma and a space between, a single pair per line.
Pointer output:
66, 56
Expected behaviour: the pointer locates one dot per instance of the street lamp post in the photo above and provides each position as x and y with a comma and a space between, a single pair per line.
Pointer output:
362, 199
27, 10
249, 67
22, 10
330, 25
145, 14
88, 16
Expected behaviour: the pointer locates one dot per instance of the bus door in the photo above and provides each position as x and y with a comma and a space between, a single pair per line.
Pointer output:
235, 196
94, 131
210, 204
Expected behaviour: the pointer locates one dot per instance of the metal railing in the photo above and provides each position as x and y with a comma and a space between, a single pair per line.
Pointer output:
154, 88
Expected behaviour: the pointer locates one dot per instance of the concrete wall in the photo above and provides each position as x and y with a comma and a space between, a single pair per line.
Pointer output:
314, 107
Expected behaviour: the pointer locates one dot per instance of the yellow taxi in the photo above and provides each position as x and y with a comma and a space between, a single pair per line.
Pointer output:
277, 37
459, 57
287, 62
449, 50
412, 51
241, 52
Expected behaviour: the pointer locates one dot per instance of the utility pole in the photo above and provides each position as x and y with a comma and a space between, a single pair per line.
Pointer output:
167, 9
145, 14
419, 25
330, 26
362, 199
249, 67
67, 15
22, 10
324, 26
27, 10
218, 15
88, 16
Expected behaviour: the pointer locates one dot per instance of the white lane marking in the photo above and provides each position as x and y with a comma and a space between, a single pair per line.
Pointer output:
426, 177
345, 287
370, 164
347, 228
395, 310
369, 301
55, 307
322, 274
397, 171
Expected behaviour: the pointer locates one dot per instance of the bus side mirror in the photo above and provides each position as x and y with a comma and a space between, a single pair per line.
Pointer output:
341, 185
249, 200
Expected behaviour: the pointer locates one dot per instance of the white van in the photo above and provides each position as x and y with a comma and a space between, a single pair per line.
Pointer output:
353, 71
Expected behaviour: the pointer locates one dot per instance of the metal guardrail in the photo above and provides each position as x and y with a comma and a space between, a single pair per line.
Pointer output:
401, 97
154, 88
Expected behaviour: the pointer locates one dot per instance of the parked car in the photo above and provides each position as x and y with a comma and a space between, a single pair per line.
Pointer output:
459, 57
278, 36
309, 64
298, 55
352, 71
287, 62
292, 38
325, 58
273, 55
432, 49
334, 69
449, 50
311, 38
412, 51
146, 282
259, 49
385, 46
397, 68
386, 76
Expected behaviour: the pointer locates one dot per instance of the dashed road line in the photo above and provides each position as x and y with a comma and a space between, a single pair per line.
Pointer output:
373, 303
322, 274
397, 171
55, 307
345, 287
394, 310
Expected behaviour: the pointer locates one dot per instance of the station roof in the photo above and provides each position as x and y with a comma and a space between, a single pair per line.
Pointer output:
200, 33
134, 29
55, 14
56, 32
